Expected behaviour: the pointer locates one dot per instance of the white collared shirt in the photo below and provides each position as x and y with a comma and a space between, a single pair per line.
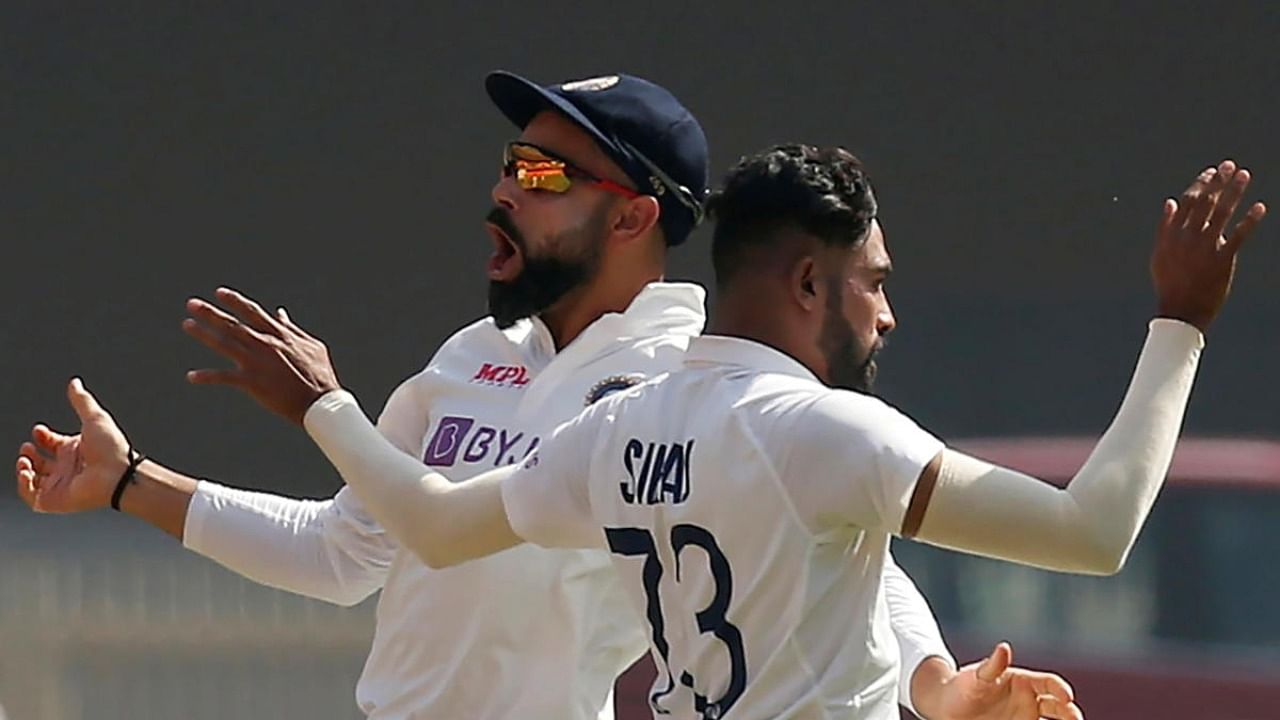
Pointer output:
748, 509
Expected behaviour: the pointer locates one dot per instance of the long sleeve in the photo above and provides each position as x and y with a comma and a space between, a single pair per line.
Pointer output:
331, 549
919, 637
328, 549
1092, 524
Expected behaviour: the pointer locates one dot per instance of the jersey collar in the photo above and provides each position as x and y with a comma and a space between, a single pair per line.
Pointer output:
726, 350
661, 308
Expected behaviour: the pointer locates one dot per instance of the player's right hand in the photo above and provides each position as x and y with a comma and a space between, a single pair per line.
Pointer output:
69, 473
1193, 262
279, 364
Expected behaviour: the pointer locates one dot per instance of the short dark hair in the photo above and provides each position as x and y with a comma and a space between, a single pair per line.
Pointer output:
823, 192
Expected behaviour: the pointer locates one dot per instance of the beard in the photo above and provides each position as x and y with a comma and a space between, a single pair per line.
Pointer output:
545, 280
850, 364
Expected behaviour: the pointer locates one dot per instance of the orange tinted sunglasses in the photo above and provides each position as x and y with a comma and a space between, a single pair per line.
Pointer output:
537, 169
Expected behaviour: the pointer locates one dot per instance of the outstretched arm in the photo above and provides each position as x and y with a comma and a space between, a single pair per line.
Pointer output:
59, 473
327, 549
1090, 526
288, 371
964, 503
442, 522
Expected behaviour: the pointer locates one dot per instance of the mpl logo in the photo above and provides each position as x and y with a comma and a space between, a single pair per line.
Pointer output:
477, 443
502, 375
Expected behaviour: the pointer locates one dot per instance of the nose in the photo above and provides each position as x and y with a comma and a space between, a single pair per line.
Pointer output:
885, 321
505, 192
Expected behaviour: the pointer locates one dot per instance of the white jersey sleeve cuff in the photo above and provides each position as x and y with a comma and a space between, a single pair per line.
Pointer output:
203, 502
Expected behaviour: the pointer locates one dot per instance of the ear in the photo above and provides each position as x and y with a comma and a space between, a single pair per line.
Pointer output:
804, 284
637, 217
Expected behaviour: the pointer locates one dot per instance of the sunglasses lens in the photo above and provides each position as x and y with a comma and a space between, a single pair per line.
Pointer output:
542, 177
533, 170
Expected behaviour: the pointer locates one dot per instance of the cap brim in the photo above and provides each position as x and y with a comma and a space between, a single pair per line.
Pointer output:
520, 99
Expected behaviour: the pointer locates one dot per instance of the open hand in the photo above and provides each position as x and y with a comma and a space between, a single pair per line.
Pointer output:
994, 690
1193, 262
69, 473
276, 362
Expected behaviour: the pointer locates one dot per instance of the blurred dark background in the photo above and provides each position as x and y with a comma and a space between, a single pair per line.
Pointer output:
336, 158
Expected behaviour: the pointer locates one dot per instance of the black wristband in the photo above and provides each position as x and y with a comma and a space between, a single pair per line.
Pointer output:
135, 459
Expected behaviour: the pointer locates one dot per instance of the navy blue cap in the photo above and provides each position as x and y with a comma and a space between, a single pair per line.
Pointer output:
656, 141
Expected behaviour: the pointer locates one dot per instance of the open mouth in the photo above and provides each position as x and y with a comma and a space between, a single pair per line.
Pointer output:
506, 262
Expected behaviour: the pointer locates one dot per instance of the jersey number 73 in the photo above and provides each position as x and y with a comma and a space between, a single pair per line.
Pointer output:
639, 542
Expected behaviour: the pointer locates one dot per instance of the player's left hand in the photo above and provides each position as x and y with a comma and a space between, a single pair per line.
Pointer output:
994, 690
276, 362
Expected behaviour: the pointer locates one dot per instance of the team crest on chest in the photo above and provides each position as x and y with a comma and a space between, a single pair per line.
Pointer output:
611, 385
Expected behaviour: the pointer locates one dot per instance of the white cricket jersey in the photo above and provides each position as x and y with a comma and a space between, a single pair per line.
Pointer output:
527, 633
748, 509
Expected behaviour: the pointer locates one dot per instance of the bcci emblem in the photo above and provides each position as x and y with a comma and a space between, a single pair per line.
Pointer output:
611, 385
594, 84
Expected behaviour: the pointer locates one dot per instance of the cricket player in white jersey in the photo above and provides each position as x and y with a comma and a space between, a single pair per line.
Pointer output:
747, 502
576, 313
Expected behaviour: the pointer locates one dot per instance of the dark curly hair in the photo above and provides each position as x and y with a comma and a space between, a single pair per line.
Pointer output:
821, 191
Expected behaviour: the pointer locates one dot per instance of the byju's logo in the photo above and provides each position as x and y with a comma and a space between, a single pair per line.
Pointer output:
444, 445
476, 443
502, 375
